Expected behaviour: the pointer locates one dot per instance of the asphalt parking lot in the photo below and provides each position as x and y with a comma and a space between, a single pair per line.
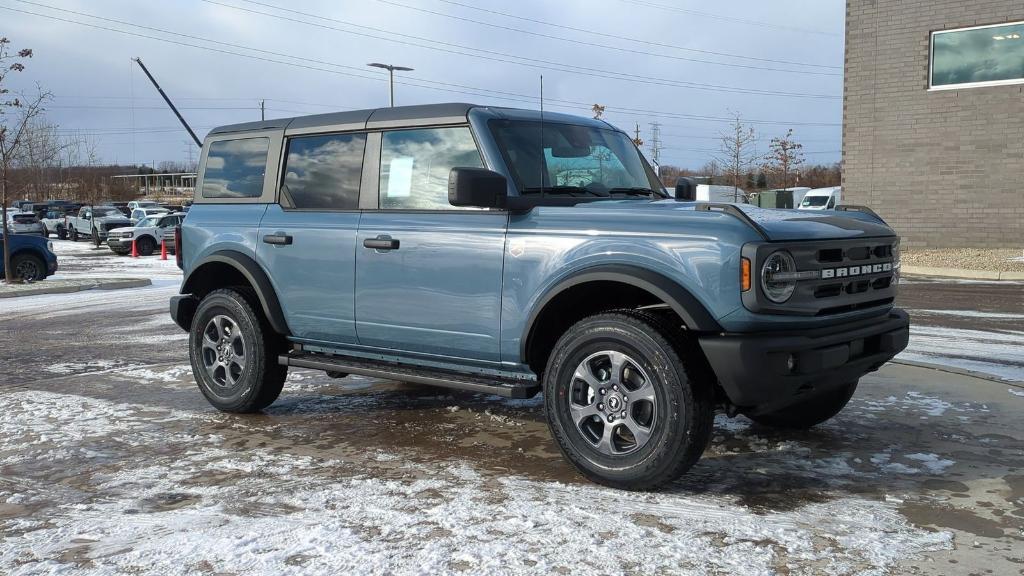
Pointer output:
112, 462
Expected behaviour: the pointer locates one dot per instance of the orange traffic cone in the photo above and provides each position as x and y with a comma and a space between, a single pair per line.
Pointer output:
135, 253
163, 249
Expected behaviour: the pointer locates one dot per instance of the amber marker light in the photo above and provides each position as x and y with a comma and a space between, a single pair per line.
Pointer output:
745, 274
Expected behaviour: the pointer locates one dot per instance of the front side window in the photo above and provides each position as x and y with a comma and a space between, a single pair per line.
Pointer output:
235, 168
323, 172
414, 166
978, 56
573, 159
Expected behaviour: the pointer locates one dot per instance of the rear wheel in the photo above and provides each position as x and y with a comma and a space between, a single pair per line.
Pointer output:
72, 235
62, 233
810, 412
622, 403
234, 353
28, 267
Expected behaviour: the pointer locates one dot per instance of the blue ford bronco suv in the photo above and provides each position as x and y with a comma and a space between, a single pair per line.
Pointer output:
512, 252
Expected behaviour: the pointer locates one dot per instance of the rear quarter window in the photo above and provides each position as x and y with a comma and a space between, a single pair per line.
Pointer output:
235, 168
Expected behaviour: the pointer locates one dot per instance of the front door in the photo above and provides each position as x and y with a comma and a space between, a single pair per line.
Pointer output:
307, 240
428, 274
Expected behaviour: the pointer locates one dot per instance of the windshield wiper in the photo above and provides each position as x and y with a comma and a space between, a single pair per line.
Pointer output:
570, 190
634, 191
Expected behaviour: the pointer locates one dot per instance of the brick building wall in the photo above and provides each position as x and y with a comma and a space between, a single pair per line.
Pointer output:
944, 167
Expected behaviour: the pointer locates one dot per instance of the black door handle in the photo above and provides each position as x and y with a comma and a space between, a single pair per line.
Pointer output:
280, 239
381, 243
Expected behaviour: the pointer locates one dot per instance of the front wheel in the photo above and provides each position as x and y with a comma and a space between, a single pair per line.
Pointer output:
810, 412
234, 353
145, 246
62, 233
72, 235
624, 406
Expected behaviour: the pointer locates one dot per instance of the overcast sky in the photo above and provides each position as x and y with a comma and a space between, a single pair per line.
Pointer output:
683, 63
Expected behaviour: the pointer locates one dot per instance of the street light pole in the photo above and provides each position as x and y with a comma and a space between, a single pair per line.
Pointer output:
391, 76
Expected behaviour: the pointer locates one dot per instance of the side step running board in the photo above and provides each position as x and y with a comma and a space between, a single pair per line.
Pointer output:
507, 387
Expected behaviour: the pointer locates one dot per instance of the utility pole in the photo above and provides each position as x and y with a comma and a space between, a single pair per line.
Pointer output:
636, 140
169, 103
391, 76
263, 115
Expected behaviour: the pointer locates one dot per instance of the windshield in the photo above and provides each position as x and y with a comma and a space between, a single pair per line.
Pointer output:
577, 160
815, 201
105, 212
151, 222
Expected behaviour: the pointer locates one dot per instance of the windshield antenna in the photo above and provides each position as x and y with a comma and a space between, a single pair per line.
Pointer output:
543, 169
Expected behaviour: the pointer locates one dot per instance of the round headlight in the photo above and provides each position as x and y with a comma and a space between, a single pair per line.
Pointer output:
774, 290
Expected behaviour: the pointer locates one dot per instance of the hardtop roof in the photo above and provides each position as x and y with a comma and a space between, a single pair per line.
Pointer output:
399, 117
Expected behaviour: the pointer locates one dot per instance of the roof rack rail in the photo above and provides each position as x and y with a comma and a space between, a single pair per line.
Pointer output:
859, 208
735, 211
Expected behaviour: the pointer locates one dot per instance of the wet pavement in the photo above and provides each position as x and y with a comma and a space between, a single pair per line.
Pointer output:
111, 462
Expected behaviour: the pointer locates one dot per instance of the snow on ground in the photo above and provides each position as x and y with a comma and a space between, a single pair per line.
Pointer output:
1000, 353
266, 511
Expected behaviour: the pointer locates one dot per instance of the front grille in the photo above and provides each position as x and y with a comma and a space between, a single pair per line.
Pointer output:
114, 225
850, 275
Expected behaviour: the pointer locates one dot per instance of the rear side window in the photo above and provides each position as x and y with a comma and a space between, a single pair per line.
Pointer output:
235, 168
323, 172
414, 166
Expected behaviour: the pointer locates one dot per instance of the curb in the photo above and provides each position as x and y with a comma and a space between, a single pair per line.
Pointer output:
961, 273
114, 284
960, 371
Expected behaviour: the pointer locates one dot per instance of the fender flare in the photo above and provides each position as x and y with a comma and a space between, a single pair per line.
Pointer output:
256, 277
682, 302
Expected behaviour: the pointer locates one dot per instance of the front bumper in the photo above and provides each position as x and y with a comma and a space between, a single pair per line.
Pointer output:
755, 370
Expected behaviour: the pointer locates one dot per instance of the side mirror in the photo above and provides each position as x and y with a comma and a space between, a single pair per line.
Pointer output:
686, 190
477, 187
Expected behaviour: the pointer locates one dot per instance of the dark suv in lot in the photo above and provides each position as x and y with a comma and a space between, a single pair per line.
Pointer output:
511, 252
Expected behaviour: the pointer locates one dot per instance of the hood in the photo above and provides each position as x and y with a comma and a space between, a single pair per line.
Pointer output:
777, 224
112, 219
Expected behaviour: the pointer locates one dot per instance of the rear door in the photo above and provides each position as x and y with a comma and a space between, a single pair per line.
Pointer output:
307, 239
428, 274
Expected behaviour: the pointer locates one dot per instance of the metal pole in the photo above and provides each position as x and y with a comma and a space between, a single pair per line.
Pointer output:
262, 110
391, 84
169, 103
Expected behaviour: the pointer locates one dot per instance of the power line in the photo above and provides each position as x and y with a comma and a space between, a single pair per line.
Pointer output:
597, 45
638, 40
506, 58
416, 82
758, 23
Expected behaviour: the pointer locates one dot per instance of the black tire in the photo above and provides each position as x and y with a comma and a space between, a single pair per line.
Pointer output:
145, 246
62, 233
28, 267
810, 412
261, 379
680, 416
72, 234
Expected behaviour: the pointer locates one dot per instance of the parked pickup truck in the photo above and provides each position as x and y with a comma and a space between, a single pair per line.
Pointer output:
95, 222
507, 252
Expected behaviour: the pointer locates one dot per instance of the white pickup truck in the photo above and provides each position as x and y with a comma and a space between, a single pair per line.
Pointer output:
96, 222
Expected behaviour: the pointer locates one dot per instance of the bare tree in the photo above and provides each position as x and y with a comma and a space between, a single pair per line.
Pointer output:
16, 114
737, 155
785, 156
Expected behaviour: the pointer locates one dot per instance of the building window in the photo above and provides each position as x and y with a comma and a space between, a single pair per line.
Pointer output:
978, 56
